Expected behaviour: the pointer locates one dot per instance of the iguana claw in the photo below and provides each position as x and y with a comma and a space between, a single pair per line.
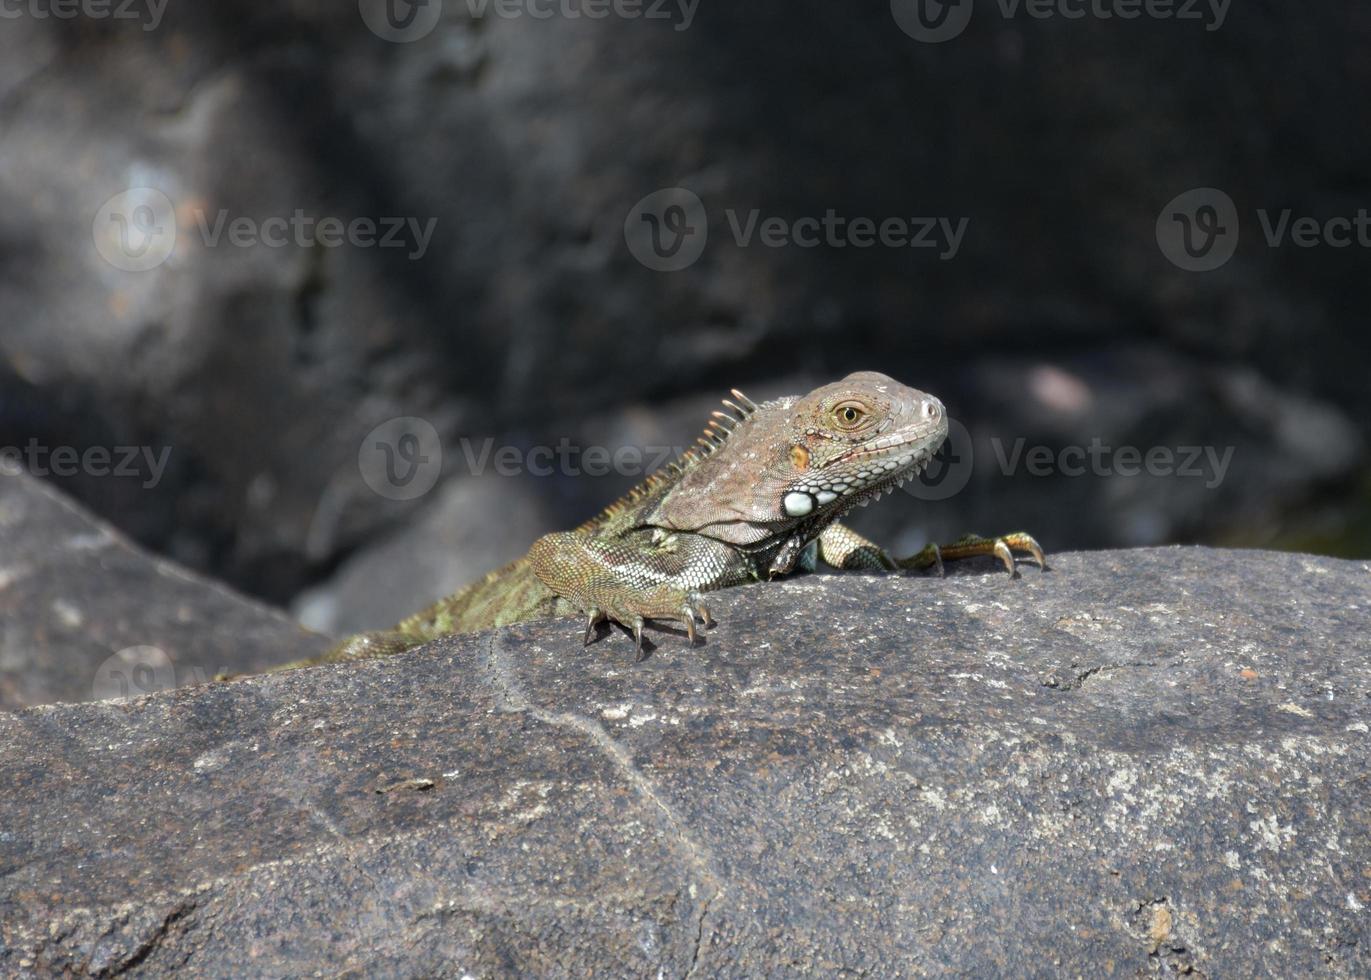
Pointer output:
593, 619
692, 610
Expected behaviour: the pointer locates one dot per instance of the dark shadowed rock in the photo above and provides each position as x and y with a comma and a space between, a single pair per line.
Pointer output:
1141, 762
84, 614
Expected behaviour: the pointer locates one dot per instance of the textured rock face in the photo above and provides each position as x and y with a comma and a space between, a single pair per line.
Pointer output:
85, 615
1140, 762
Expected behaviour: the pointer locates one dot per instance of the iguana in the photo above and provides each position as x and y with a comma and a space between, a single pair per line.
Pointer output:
761, 493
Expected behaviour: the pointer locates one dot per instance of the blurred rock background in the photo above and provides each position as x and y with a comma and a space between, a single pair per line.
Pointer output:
526, 144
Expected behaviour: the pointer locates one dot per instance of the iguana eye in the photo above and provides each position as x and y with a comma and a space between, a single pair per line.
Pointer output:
849, 415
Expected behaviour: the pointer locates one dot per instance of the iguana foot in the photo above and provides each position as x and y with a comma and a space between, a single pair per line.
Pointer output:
633, 617
612, 581
973, 545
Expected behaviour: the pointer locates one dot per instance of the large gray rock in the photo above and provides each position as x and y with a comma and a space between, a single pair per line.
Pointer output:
1141, 762
84, 614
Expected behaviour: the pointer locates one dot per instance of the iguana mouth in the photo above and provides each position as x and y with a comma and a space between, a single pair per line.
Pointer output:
889, 446
897, 478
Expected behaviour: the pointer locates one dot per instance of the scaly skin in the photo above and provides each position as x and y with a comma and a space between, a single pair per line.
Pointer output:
761, 494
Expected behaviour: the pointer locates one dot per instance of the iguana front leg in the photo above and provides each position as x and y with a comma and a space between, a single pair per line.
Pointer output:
843, 547
632, 579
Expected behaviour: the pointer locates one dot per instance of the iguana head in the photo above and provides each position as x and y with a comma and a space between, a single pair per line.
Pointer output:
801, 463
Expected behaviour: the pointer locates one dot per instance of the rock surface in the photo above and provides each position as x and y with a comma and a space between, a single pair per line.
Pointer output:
86, 615
1141, 762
